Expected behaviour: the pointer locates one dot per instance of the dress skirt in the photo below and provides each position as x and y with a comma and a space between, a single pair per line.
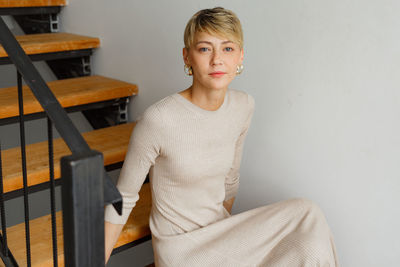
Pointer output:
287, 233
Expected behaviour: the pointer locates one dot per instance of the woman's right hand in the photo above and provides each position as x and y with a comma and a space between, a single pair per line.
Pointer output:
111, 234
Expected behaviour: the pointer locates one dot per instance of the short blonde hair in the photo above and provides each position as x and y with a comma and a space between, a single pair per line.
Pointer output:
216, 21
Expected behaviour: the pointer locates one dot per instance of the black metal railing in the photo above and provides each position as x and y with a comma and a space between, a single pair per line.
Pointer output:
86, 187
52, 191
24, 172
5, 254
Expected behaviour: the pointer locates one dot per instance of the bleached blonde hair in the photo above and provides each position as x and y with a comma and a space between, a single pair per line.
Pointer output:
216, 21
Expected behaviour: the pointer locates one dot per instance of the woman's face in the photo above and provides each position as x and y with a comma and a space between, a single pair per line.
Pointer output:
213, 60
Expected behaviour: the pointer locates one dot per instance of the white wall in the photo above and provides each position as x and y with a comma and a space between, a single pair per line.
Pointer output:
325, 76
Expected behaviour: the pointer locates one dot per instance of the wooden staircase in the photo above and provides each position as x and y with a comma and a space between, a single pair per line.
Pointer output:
74, 94
136, 228
112, 142
31, 3
43, 43
69, 92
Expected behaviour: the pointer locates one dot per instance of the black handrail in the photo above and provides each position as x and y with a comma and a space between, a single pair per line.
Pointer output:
52, 107
86, 187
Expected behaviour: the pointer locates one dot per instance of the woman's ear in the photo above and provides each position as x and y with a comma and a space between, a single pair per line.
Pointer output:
241, 56
185, 54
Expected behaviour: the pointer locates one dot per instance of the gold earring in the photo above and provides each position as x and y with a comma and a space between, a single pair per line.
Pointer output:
188, 70
239, 69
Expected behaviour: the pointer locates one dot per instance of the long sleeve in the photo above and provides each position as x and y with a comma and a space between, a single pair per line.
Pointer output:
144, 148
232, 178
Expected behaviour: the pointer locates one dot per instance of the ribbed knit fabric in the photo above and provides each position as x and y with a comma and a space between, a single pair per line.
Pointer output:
193, 158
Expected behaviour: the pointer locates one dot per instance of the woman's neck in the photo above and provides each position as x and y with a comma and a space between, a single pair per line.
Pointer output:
208, 99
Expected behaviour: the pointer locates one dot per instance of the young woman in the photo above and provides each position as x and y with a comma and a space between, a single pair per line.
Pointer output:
191, 143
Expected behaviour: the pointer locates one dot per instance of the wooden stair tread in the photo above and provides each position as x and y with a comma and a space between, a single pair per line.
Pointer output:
69, 92
111, 141
31, 3
53, 42
136, 227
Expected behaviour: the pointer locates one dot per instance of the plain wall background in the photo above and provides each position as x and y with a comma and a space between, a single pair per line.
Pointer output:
325, 77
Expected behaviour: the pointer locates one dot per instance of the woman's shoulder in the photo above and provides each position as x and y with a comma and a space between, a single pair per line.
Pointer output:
165, 103
242, 98
155, 111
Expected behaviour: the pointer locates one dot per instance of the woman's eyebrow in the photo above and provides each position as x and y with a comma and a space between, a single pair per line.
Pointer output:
203, 42
210, 43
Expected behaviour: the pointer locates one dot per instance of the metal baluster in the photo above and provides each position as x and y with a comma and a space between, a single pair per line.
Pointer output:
24, 173
5, 253
52, 191
2, 210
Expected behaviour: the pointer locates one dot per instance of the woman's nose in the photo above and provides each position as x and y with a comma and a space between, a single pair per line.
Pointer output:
216, 58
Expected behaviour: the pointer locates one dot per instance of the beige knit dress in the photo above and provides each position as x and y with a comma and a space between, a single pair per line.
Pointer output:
193, 157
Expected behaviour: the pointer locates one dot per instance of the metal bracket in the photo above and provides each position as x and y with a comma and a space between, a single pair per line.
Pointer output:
54, 22
114, 114
86, 70
123, 111
71, 67
38, 23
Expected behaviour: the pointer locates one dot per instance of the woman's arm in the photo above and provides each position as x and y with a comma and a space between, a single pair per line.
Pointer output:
232, 178
228, 204
143, 149
111, 234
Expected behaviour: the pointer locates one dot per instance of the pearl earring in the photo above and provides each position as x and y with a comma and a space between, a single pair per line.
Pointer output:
239, 69
188, 70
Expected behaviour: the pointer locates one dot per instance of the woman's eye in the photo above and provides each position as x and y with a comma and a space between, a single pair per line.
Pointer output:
203, 49
229, 49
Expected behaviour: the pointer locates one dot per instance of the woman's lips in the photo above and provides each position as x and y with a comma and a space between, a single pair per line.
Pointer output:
217, 74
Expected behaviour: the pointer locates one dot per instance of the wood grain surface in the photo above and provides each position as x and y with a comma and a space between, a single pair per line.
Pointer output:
53, 42
31, 3
112, 142
69, 92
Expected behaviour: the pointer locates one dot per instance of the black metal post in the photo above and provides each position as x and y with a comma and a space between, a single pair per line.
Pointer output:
2, 210
9, 261
24, 171
52, 192
5, 253
83, 209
